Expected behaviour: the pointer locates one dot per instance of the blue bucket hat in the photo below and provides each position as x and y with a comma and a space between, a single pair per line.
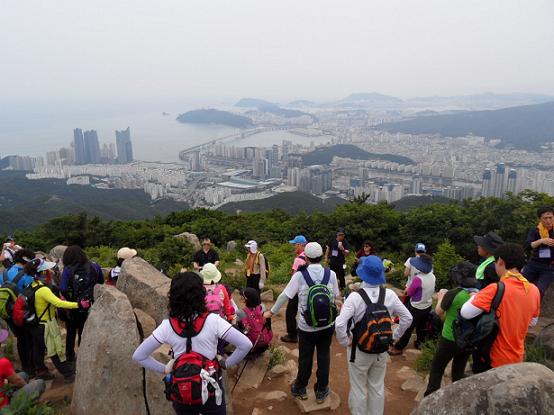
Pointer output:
421, 264
299, 239
371, 270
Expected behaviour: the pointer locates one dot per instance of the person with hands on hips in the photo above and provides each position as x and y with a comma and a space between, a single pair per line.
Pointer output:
255, 267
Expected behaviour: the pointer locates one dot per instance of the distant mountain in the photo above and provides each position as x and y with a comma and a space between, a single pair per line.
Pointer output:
291, 202
324, 155
479, 101
212, 116
27, 203
525, 127
301, 103
254, 103
286, 113
372, 97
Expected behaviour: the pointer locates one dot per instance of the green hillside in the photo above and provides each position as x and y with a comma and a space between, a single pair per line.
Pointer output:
293, 202
324, 155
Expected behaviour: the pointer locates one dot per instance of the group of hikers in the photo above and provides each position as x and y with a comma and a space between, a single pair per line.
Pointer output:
485, 316
34, 294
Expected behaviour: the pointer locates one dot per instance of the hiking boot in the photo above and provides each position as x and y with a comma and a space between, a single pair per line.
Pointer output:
287, 338
298, 392
45, 375
320, 395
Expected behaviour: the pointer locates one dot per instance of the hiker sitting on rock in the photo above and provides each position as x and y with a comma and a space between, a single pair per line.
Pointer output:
252, 322
123, 254
193, 334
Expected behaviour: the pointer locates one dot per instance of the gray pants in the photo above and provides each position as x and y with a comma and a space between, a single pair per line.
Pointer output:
36, 386
367, 383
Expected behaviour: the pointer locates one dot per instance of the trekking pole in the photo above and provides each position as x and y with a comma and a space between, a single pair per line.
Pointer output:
247, 360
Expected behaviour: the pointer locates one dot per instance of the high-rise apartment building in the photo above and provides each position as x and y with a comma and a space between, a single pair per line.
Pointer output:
79, 146
124, 146
486, 189
512, 182
92, 147
499, 180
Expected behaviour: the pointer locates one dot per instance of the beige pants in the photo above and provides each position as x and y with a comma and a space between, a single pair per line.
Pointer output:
367, 383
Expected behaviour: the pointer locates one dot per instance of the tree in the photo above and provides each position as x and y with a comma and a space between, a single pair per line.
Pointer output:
444, 259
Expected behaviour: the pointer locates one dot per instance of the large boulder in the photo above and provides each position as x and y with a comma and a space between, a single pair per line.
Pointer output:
145, 286
231, 245
547, 305
56, 253
524, 388
108, 381
191, 239
545, 339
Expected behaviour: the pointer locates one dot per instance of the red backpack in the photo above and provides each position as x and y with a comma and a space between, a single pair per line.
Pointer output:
186, 384
23, 312
259, 333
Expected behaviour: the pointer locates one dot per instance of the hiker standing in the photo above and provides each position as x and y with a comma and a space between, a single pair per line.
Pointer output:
217, 297
255, 267
122, 255
9, 249
335, 255
367, 249
420, 291
518, 309
77, 283
19, 280
486, 246
299, 242
540, 268
46, 334
367, 370
448, 305
206, 255
193, 335
317, 289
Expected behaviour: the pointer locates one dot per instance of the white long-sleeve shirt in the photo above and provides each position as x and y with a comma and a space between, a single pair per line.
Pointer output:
355, 307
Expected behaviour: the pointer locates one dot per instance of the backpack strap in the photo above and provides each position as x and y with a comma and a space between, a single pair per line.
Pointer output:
326, 276
382, 294
365, 297
18, 277
307, 278
4, 276
189, 330
498, 296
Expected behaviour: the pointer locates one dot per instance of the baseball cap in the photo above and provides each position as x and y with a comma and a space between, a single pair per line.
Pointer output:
299, 239
44, 265
313, 250
340, 231
420, 247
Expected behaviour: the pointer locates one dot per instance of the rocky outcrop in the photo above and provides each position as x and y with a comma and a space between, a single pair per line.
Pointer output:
145, 286
524, 388
545, 339
231, 246
107, 379
191, 239
547, 305
56, 253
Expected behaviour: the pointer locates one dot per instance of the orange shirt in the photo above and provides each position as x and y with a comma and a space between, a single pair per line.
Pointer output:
514, 313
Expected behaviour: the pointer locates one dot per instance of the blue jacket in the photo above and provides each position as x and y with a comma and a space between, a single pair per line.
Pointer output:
64, 280
24, 281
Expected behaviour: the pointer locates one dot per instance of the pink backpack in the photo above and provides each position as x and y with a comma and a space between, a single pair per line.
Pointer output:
214, 302
259, 333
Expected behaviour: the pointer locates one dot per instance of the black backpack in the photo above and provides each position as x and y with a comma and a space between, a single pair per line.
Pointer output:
373, 333
478, 334
82, 279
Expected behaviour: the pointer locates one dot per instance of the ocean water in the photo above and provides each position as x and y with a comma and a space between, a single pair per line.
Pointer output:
155, 137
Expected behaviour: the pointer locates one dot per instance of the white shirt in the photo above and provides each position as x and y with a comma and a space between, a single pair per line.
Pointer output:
355, 307
204, 342
297, 285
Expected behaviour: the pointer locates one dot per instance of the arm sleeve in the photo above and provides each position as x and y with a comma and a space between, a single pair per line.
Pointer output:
51, 298
263, 271
483, 299
229, 310
279, 303
341, 323
415, 287
143, 355
400, 310
100, 274
64, 281
469, 311
531, 237
336, 288
242, 346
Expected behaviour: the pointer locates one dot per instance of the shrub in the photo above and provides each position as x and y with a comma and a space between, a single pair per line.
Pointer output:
444, 259
423, 362
28, 405
277, 356
535, 353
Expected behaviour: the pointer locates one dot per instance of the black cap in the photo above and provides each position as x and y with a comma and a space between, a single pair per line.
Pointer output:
340, 230
491, 241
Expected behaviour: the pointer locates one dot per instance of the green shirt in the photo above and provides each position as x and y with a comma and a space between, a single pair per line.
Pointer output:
452, 302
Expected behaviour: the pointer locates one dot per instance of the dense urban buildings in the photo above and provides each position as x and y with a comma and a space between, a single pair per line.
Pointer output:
124, 146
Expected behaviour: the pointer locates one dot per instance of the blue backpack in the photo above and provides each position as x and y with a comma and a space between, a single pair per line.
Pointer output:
321, 310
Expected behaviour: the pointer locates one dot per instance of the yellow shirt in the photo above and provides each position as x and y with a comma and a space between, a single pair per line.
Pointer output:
44, 297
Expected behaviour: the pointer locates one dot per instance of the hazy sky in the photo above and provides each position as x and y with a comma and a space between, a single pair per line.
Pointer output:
280, 49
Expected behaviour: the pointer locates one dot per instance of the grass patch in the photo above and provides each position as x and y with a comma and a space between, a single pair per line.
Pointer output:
29, 405
535, 353
277, 356
423, 362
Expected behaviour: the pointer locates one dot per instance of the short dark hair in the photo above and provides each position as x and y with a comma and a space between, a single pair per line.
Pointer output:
544, 209
315, 260
74, 255
513, 255
23, 256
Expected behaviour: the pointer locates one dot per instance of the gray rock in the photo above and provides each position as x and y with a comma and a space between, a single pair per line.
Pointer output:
267, 296
547, 304
147, 323
56, 253
545, 338
155, 394
104, 360
413, 384
524, 388
254, 373
191, 239
332, 402
273, 396
231, 246
145, 286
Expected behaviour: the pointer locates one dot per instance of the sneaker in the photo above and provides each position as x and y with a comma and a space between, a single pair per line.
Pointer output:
298, 392
320, 395
46, 375
289, 339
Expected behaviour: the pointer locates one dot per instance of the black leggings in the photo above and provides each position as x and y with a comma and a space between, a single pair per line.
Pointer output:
418, 323
74, 326
446, 351
253, 282
292, 311
24, 347
39, 351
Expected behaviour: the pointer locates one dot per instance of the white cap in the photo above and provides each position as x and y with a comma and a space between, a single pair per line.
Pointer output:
313, 250
45, 265
126, 253
252, 245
